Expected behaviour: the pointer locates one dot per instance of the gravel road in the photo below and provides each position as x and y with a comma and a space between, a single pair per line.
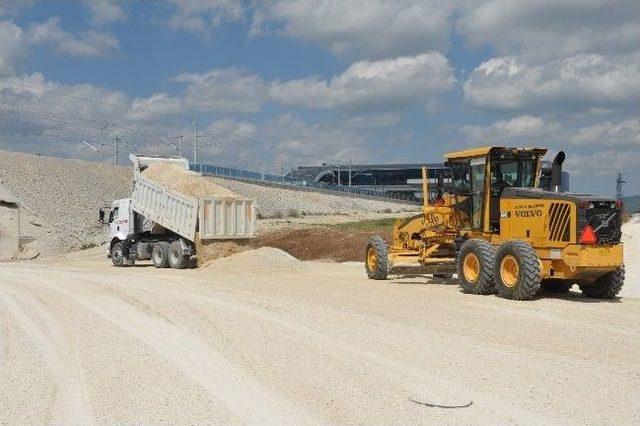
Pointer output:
263, 338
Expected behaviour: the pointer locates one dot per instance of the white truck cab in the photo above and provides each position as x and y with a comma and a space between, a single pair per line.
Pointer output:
120, 219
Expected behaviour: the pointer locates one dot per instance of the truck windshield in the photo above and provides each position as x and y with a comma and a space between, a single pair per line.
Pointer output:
515, 172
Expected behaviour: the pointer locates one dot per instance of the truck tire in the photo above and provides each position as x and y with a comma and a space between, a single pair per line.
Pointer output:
517, 271
160, 255
605, 287
557, 286
376, 259
474, 266
176, 259
117, 255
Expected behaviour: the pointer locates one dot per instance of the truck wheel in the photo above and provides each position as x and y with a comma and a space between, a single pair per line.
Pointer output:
557, 286
160, 255
117, 255
176, 259
517, 271
607, 286
475, 267
376, 259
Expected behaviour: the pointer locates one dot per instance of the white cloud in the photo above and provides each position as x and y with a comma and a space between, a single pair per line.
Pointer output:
88, 43
105, 11
385, 84
546, 29
203, 16
297, 142
12, 45
41, 115
361, 28
519, 131
621, 133
602, 163
577, 83
224, 90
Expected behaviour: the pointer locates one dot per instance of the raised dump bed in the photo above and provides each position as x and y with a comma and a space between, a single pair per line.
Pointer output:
209, 217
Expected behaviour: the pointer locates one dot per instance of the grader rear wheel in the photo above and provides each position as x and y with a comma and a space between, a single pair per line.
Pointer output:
606, 287
377, 259
475, 267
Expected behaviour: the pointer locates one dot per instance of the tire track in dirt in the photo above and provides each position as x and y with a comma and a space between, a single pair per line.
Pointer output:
398, 372
71, 405
247, 399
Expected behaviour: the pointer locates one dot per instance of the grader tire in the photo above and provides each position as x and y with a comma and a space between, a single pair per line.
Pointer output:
517, 271
376, 259
474, 265
556, 286
607, 286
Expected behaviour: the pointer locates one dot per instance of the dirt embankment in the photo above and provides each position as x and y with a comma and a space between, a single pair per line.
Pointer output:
322, 243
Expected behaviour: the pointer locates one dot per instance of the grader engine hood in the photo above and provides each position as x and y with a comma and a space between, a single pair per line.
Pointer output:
568, 217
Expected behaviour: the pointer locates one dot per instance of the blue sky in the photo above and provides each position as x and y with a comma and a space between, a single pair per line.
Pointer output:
281, 83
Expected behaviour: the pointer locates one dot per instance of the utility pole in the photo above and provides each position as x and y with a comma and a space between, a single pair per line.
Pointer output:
115, 149
180, 144
619, 186
194, 122
102, 130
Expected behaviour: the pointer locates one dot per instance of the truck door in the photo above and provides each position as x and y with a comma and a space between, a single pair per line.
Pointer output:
478, 166
119, 219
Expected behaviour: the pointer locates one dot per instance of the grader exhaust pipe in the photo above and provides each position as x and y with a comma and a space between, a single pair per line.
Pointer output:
556, 172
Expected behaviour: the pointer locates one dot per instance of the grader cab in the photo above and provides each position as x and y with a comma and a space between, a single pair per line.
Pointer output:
485, 218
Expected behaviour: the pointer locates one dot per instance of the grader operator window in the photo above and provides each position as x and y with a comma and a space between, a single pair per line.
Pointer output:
508, 172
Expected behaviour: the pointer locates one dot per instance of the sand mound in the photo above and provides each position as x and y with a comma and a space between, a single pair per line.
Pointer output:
263, 259
184, 181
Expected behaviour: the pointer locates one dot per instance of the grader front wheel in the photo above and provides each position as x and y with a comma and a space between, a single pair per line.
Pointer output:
475, 267
517, 272
377, 259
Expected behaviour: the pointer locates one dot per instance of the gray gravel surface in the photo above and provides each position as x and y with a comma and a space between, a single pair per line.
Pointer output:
64, 195
273, 201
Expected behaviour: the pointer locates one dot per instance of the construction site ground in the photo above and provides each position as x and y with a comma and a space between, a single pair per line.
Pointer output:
261, 337
288, 330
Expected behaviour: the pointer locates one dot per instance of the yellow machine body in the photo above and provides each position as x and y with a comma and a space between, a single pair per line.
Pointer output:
548, 223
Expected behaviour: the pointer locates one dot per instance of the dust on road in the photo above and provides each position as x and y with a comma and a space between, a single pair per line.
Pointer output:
263, 338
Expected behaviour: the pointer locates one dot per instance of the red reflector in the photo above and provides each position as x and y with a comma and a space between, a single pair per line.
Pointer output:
588, 236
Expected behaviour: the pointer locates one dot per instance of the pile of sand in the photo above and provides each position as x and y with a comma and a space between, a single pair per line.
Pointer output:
184, 181
262, 260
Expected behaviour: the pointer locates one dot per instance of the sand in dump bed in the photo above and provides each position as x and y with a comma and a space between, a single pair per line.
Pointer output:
209, 250
184, 181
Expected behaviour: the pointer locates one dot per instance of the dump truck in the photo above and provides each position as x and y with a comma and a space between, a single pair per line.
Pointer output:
488, 221
161, 223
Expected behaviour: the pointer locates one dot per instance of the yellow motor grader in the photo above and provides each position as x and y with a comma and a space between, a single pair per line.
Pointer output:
485, 218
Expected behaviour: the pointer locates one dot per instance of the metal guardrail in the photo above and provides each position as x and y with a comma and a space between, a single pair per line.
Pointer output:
208, 169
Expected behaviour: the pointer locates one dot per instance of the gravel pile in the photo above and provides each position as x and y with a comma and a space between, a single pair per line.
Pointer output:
279, 202
64, 195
